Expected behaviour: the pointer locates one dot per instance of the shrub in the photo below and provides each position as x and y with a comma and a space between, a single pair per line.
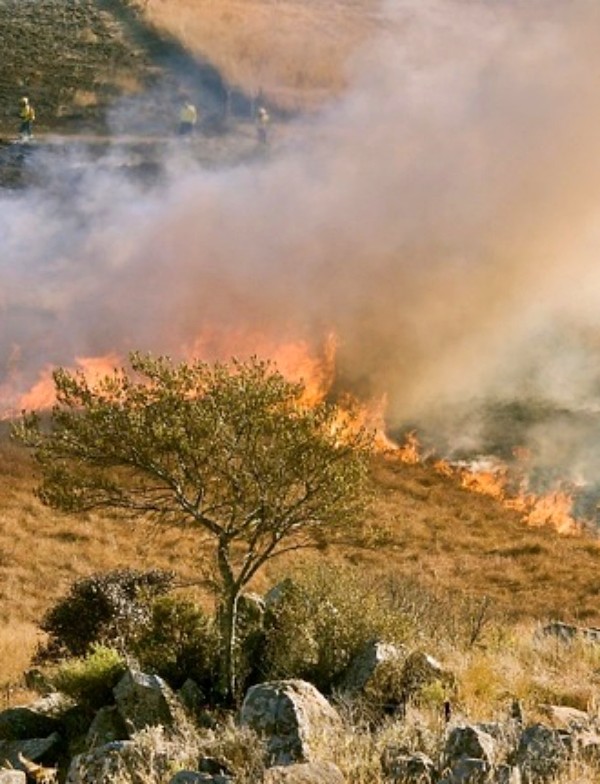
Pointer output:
320, 621
89, 680
179, 642
109, 608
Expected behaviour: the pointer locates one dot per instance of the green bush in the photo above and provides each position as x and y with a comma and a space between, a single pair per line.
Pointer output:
90, 679
109, 608
180, 641
320, 620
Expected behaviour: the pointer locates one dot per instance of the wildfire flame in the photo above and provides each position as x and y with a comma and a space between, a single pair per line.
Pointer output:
299, 362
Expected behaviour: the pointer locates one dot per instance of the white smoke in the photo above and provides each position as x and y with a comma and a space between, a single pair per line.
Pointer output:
442, 217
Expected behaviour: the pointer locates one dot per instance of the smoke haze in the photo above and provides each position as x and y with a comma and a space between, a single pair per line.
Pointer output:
442, 218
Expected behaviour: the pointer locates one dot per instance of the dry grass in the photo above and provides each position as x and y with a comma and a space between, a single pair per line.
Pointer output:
295, 51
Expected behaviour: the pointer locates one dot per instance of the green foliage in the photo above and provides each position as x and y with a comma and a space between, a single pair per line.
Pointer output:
230, 449
180, 642
109, 608
89, 680
320, 621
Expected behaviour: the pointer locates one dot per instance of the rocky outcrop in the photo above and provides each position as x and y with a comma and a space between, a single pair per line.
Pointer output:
415, 768
292, 716
37, 720
32, 748
107, 726
146, 700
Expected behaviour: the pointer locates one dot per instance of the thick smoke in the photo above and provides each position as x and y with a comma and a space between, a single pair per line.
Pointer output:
442, 217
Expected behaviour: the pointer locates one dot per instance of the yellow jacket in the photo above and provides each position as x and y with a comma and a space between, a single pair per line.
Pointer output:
27, 113
188, 114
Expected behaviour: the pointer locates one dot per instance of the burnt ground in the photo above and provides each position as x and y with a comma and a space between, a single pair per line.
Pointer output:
96, 65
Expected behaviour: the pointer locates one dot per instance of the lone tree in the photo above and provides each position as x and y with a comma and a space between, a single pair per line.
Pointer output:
227, 448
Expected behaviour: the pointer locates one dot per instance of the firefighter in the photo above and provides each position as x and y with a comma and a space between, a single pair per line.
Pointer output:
188, 117
27, 115
262, 124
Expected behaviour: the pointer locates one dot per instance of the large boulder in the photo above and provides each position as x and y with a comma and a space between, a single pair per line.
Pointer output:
420, 670
469, 741
102, 765
28, 721
107, 725
292, 716
305, 773
542, 751
146, 700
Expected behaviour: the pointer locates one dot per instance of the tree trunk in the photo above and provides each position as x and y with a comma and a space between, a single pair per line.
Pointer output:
228, 611
228, 623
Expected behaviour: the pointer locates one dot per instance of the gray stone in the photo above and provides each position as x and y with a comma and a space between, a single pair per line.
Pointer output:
106, 726
292, 716
305, 773
146, 700
197, 777
469, 741
100, 766
467, 771
542, 751
363, 668
420, 669
564, 717
415, 768
23, 723
12, 777
33, 748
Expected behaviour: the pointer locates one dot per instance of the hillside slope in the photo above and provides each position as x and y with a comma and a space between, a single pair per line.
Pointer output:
422, 526
94, 64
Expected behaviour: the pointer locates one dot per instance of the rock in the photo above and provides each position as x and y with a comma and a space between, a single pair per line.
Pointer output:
12, 777
564, 717
563, 631
469, 741
21, 723
587, 745
467, 770
146, 700
420, 669
567, 632
102, 765
542, 750
106, 726
292, 716
197, 777
34, 749
363, 669
306, 773
416, 768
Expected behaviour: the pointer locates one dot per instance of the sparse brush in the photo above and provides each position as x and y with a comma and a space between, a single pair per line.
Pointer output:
90, 680
315, 627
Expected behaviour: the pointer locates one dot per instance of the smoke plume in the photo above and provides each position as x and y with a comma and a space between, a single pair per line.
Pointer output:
442, 217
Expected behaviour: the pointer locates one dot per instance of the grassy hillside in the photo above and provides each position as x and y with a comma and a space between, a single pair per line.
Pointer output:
124, 64
424, 529
294, 51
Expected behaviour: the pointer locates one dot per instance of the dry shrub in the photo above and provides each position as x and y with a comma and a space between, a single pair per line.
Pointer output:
321, 620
